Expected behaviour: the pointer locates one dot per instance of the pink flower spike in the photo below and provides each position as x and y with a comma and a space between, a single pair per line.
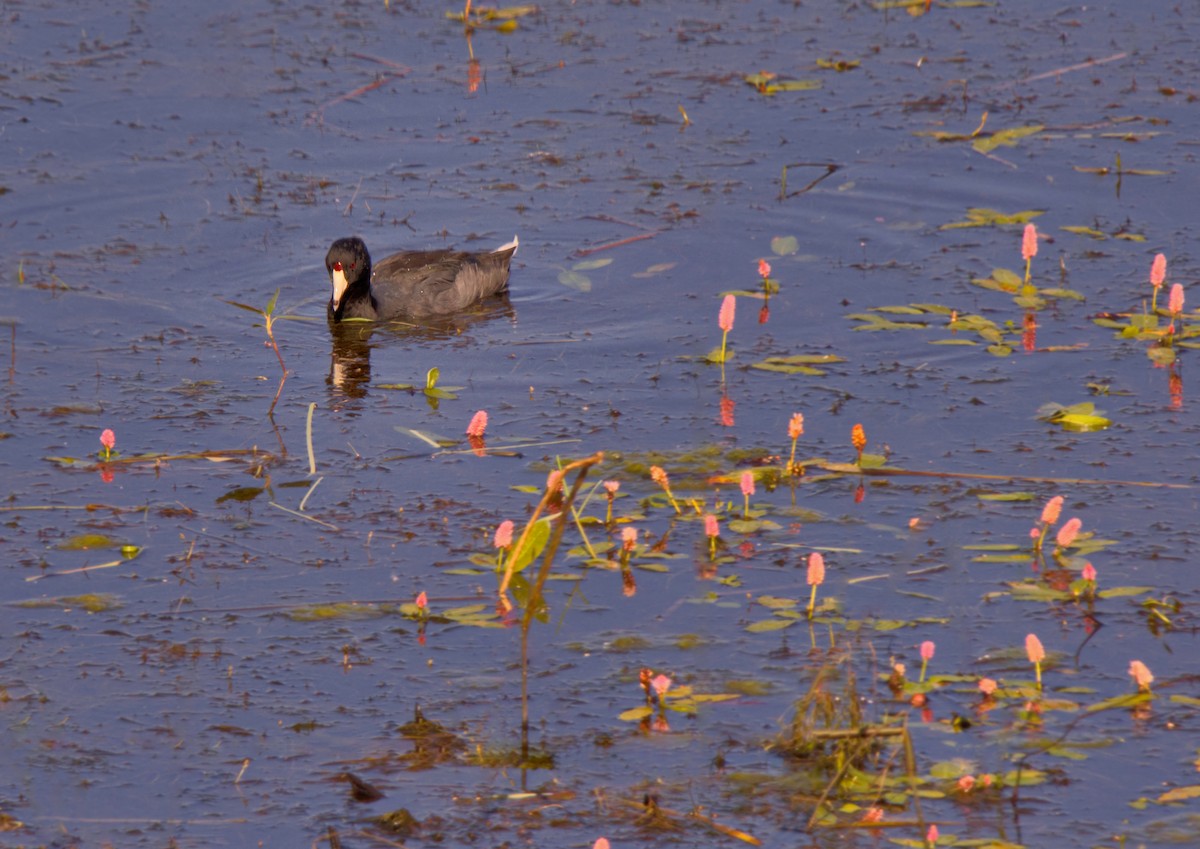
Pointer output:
1029, 243
711, 528
422, 601
1068, 532
1089, 573
931, 836
927, 649
966, 783
629, 538
108, 439
816, 568
1158, 271
725, 317
504, 534
1052, 510
796, 426
1175, 302
601, 843
611, 487
764, 269
478, 425
747, 483
987, 686
1034, 649
1141, 676
661, 684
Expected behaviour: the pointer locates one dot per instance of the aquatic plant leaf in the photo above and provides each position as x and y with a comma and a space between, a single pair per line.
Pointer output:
591, 264
1161, 356
442, 394
982, 216
1020, 557
91, 602
953, 342
1121, 592
337, 610
539, 535
1004, 138
798, 363
1084, 231
635, 714
1069, 294
777, 603
769, 83
716, 356
657, 268
404, 387
1178, 794
770, 625
1079, 423
750, 526
575, 280
784, 245
85, 542
1121, 702
241, 493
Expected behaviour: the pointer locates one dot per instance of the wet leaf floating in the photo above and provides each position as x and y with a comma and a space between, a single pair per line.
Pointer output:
798, 364
1004, 138
769, 83
654, 270
784, 245
839, 65
90, 602
87, 542
1078, 418
982, 216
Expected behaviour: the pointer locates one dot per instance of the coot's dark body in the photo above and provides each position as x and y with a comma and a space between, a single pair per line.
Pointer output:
412, 284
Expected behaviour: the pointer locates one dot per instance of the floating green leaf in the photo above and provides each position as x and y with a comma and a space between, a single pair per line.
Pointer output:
981, 216
784, 245
1004, 138
797, 363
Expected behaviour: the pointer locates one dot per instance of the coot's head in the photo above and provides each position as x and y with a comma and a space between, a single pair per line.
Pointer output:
349, 267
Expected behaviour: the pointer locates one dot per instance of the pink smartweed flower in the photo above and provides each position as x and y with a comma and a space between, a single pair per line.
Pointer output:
816, 575
725, 316
927, 649
987, 686
1175, 301
965, 783
764, 269
108, 439
1068, 532
1029, 243
422, 601
1034, 649
1052, 510
711, 529
796, 426
816, 569
611, 487
629, 538
661, 684
504, 534
1141, 676
478, 425
747, 483
601, 843
931, 836
1089, 573
1036, 654
1158, 271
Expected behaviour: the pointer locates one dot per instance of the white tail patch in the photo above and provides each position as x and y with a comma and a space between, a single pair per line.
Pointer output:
514, 244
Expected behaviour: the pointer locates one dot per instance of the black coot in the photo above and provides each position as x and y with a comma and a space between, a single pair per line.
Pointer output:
412, 284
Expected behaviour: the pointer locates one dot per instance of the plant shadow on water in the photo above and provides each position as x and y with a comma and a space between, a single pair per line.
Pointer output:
242, 606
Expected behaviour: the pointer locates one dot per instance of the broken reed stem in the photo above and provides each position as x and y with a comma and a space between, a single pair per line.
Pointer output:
533, 602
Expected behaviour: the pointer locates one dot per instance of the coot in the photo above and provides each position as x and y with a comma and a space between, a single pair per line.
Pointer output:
412, 284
